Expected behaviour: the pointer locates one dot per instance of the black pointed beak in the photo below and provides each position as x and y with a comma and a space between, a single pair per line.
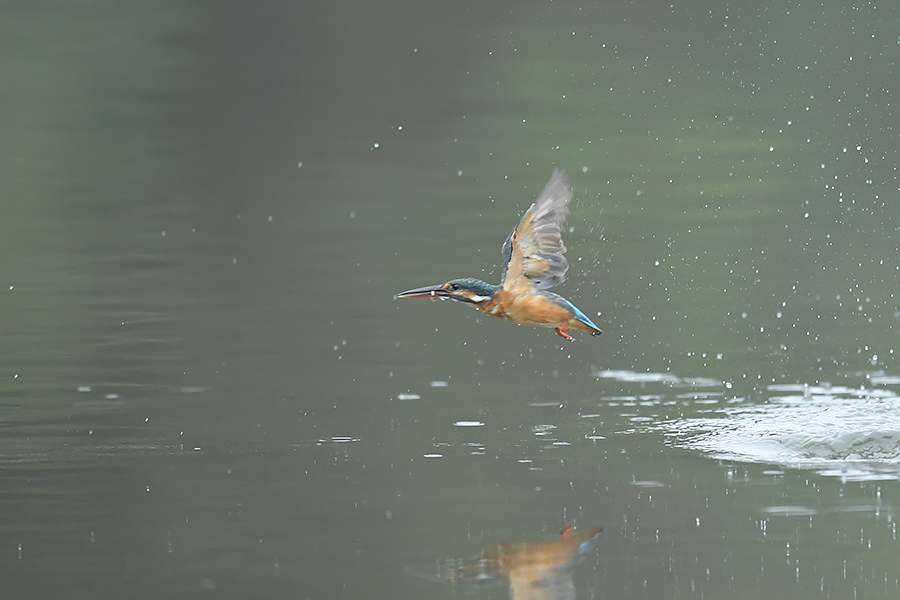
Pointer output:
429, 291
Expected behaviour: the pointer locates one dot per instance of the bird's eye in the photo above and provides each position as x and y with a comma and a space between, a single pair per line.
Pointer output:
453, 287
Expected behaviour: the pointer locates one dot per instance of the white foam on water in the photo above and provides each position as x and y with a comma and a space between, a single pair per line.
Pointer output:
852, 433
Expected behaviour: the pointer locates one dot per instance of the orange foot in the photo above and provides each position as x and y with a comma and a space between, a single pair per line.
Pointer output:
561, 331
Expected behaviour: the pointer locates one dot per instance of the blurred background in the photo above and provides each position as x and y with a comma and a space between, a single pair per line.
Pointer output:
207, 388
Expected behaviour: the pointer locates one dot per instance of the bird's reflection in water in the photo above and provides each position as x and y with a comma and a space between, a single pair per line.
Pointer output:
535, 570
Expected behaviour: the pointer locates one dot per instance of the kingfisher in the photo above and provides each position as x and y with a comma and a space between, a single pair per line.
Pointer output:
533, 262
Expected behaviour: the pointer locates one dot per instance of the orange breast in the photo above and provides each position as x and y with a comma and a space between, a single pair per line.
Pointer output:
528, 309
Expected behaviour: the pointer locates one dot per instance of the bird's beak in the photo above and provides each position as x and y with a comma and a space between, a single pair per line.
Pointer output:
429, 291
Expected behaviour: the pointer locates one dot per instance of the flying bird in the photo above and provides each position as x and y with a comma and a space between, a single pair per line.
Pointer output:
533, 262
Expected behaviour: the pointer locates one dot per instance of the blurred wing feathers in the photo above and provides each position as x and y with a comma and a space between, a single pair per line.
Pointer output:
533, 252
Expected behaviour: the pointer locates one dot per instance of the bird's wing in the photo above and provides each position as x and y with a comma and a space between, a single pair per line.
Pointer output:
533, 252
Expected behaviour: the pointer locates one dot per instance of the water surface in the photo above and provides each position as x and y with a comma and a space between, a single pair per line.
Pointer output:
207, 387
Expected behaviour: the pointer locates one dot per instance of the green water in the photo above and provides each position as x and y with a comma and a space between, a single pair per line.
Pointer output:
208, 389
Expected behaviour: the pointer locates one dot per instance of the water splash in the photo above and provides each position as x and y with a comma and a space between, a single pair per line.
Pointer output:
852, 433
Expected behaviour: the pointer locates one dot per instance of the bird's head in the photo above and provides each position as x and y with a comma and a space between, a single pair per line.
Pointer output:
468, 289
